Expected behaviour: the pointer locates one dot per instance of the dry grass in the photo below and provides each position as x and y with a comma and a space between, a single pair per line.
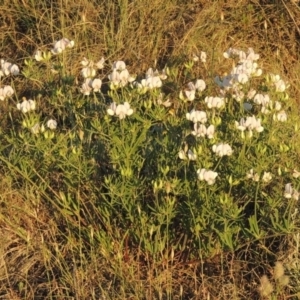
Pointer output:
41, 256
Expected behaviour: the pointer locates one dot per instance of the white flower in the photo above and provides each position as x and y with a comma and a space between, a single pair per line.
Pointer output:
123, 110
85, 62
6, 92
238, 94
5, 65
243, 70
241, 125
265, 110
203, 56
163, 75
281, 116
199, 130
190, 94
8, 68
38, 55
232, 52
119, 65
96, 84
280, 86
214, 102
124, 77
51, 124
14, 70
120, 75
151, 82
100, 63
88, 72
190, 91
195, 57
267, 177
61, 45
296, 173
26, 106
86, 87
288, 191
252, 55
295, 195
222, 149
210, 131
252, 175
166, 103
207, 175
261, 99
200, 85
242, 78
197, 116
114, 77
112, 109
253, 124
192, 155
257, 73
277, 105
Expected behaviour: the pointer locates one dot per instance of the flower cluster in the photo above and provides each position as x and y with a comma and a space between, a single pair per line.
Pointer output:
214, 102
278, 83
264, 101
222, 149
8, 68
51, 124
6, 92
88, 72
160, 101
246, 68
267, 176
61, 45
120, 75
152, 80
189, 155
90, 85
251, 123
207, 175
202, 56
90, 68
26, 105
121, 110
192, 88
197, 116
40, 128
290, 192
281, 116
200, 130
